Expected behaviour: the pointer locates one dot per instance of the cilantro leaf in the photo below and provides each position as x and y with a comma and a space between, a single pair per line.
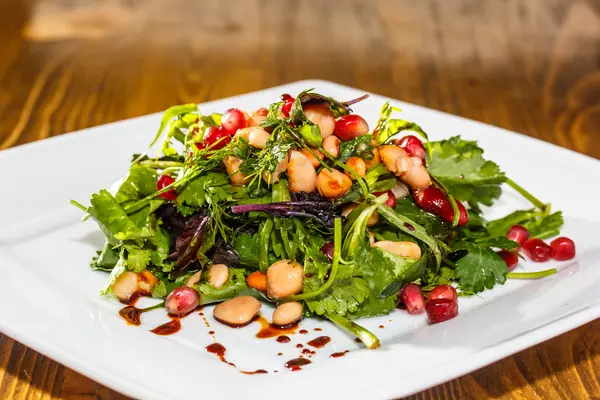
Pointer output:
112, 218
479, 268
140, 182
106, 259
345, 296
459, 165
234, 285
137, 259
159, 290
545, 227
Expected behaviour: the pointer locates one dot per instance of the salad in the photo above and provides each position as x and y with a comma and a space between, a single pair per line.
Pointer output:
305, 206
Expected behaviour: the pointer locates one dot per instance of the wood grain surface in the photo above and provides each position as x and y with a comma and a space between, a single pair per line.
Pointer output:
532, 66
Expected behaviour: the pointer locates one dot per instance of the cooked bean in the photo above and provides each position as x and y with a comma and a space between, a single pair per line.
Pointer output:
410, 169
244, 133
237, 312
391, 155
192, 280
255, 118
125, 285
302, 175
313, 160
287, 314
232, 165
321, 115
417, 175
333, 184
258, 138
284, 278
357, 165
332, 145
146, 280
348, 208
182, 300
257, 280
218, 275
375, 159
403, 249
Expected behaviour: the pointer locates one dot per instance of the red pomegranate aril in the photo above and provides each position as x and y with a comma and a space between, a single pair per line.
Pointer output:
286, 108
163, 182
350, 127
518, 233
412, 297
433, 200
216, 138
286, 98
181, 301
391, 201
440, 310
562, 249
510, 258
232, 120
327, 249
537, 250
413, 146
443, 292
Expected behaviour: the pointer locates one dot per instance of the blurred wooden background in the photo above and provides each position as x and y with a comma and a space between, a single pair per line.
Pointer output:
532, 66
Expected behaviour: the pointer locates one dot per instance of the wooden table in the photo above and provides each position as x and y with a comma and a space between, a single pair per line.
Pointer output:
531, 66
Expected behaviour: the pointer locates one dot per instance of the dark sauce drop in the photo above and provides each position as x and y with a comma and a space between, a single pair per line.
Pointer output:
258, 371
279, 354
211, 332
303, 331
409, 227
339, 354
219, 350
283, 339
169, 328
269, 330
357, 340
381, 326
131, 314
299, 346
308, 351
296, 364
318, 329
319, 342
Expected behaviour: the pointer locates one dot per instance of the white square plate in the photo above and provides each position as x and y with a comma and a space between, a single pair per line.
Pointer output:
50, 299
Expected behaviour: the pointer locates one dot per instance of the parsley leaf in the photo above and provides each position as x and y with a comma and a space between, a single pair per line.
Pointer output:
479, 268
459, 165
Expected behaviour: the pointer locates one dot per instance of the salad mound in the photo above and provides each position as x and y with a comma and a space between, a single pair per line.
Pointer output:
304, 206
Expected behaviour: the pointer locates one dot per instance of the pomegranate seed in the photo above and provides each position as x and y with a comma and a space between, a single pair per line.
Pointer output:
518, 233
537, 250
413, 146
510, 258
232, 120
216, 138
181, 301
391, 201
562, 249
443, 292
327, 249
440, 310
412, 297
163, 182
351, 126
433, 200
286, 98
286, 108
263, 112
